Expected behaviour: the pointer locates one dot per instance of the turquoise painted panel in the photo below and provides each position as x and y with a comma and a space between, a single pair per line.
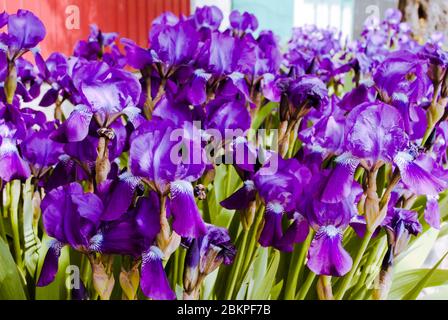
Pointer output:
272, 15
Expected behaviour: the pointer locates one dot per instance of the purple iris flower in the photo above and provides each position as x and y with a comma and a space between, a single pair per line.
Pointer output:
100, 46
374, 139
12, 166
326, 256
402, 80
41, 151
106, 94
75, 218
205, 255
54, 72
402, 223
208, 17
28, 82
170, 160
174, 45
25, 31
209, 251
243, 22
280, 192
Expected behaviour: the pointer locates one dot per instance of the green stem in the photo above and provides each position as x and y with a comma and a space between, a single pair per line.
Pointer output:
306, 286
175, 267
296, 266
253, 242
180, 271
14, 216
360, 288
237, 266
349, 277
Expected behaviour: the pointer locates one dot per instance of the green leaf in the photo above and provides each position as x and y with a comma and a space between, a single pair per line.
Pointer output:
262, 114
11, 287
418, 251
276, 290
225, 183
262, 289
425, 281
405, 281
260, 266
30, 219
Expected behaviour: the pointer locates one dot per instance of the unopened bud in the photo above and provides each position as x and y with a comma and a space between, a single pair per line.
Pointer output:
129, 282
324, 289
248, 215
11, 82
103, 282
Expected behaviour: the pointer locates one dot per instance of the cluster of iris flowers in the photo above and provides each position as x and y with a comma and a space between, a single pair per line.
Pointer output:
354, 154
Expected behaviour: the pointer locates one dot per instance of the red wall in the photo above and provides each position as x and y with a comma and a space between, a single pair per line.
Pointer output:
130, 18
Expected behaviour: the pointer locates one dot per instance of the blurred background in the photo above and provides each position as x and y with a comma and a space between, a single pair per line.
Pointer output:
68, 20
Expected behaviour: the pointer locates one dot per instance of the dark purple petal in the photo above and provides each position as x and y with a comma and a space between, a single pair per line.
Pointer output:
326, 256
223, 115
359, 224
118, 237
61, 214
136, 56
50, 265
89, 206
272, 230
148, 216
154, 282
241, 198
49, 98
3, 19
297, 232
118, 196
187, 220
40, 150
80, 293
76, 127
417, 179
339, 184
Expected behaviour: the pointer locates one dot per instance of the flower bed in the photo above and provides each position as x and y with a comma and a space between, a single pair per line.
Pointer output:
215, 165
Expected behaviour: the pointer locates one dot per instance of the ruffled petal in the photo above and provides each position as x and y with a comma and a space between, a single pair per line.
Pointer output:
241, 198
154, 282
12, 166
118, 196
187, 220
76, 127
326, 255
296, 233
339, 184
417, 179
148, 216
